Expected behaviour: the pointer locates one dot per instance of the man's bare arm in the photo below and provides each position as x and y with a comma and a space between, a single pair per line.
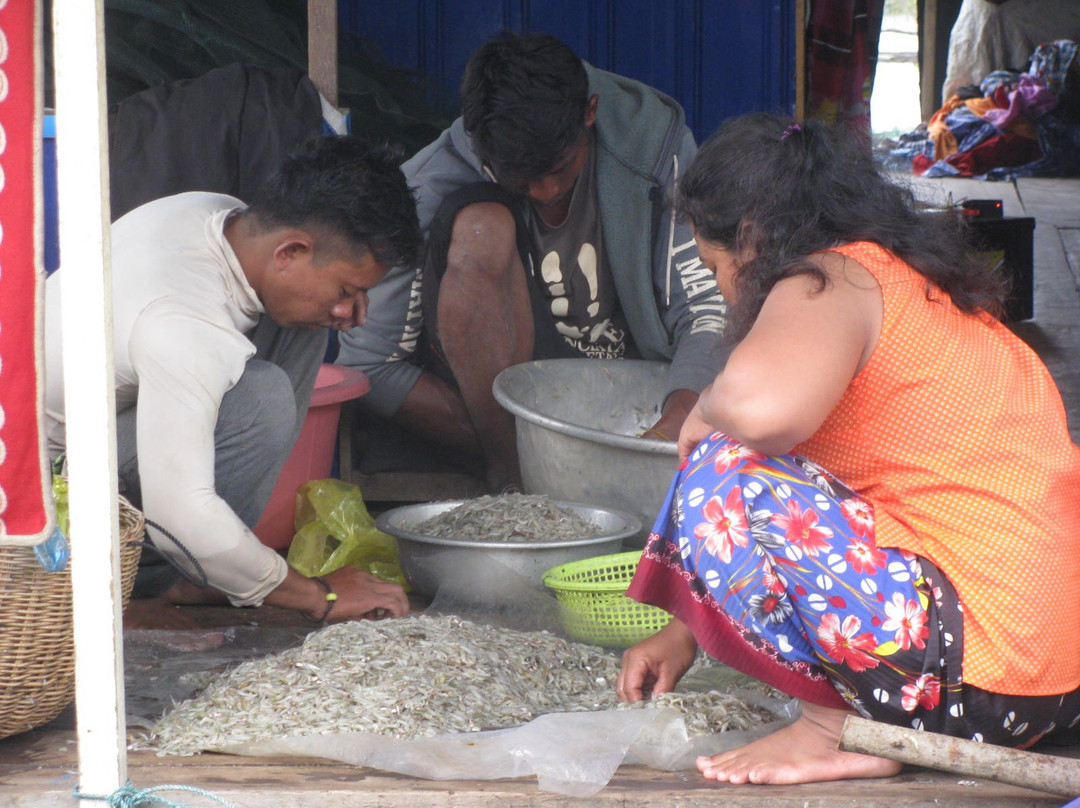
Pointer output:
436, 411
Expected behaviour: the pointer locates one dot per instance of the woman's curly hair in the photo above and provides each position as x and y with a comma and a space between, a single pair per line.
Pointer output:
786, 190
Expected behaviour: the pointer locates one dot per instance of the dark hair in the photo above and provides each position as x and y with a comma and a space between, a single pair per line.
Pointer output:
788, 190
349, 194
523, 101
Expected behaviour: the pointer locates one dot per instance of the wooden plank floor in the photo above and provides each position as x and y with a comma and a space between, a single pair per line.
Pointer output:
1054, 331
38, 769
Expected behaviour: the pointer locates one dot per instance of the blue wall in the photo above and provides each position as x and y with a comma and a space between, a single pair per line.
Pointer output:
719, 58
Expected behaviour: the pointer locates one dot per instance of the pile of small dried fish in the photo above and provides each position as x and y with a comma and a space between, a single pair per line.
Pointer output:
509, 518
706, 713
413, 677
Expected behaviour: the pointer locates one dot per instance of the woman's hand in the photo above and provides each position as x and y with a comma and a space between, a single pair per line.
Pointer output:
656, 665
694, 430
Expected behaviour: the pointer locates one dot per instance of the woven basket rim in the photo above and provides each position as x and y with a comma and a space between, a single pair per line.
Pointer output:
26, 699
555, 579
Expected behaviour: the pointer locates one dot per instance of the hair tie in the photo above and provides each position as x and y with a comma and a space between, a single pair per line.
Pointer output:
789, 130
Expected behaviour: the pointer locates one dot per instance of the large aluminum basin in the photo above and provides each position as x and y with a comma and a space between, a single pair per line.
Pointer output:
576, 425
493, 571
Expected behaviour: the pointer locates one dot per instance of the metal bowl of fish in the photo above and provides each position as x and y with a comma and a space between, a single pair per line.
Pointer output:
579, 424
487, 547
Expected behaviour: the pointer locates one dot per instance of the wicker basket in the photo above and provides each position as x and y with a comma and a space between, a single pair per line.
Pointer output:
593, 605
37, 651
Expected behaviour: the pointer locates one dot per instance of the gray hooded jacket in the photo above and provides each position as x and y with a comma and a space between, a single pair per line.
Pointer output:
672, 305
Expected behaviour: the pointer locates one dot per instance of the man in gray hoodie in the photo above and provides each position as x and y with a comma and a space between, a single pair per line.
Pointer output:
549, 234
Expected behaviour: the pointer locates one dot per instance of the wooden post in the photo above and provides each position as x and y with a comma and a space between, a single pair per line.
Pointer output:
1053, 775
86, 314
800, 60
322, 48
928, 77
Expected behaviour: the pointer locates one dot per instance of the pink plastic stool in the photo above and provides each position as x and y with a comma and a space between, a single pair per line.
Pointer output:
312, 457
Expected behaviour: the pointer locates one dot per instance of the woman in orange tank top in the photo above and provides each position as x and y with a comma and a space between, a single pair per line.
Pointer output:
877, 481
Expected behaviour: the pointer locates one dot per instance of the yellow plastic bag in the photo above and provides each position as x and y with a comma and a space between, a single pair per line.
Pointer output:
60, 497
334, 528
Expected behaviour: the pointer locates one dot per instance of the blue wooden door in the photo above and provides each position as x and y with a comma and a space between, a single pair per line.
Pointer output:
719, 58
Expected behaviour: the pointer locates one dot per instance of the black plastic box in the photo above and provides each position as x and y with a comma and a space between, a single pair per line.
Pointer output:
1009, 244
983, 208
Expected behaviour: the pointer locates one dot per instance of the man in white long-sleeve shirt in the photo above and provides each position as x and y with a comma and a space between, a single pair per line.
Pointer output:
220, 315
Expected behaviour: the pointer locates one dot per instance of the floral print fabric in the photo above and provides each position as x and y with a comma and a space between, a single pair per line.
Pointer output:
785, 552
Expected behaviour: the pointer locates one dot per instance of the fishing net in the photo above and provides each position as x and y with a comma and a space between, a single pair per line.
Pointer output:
151, 42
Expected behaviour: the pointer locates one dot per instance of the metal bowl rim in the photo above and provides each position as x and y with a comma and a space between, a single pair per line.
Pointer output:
631, 526
502, 395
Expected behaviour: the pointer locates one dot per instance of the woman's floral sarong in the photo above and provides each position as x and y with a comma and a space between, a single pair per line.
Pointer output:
772, 563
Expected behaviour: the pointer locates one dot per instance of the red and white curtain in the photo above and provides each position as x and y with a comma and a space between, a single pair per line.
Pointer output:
841, 59
26, 508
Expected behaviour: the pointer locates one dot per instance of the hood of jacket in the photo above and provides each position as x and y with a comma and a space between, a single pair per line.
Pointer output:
636, 125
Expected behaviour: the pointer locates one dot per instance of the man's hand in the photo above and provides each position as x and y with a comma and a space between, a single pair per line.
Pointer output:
361, 594
656, 665
677, 406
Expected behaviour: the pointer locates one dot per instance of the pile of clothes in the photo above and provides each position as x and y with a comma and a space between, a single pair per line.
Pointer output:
1011, 125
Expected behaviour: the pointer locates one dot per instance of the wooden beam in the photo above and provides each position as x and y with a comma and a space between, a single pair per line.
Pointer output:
928, 75
800, 60
1052, 775
86, 312
322, 47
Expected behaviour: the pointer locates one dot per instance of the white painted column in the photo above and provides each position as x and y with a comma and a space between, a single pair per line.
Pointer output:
82, 183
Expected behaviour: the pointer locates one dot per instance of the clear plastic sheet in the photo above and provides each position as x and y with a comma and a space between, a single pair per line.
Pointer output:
569, 753
162, 668
574, 753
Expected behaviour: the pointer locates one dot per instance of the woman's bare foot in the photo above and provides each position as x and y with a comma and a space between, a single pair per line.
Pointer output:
803, 752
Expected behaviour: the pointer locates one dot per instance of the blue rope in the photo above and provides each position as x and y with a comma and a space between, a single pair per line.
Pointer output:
127, 796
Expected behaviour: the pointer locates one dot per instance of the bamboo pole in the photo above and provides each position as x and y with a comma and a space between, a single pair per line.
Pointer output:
1047, 773
86, 312
929, 80
800, 60
323, 48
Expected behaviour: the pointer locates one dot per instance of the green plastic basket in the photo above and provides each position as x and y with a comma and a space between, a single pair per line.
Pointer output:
593, 603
